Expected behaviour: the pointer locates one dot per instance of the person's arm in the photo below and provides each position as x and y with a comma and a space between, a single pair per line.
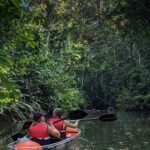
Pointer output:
51, 125
72, 125
54, 132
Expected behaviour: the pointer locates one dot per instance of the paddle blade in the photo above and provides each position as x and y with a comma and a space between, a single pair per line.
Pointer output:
77, 114
108, 117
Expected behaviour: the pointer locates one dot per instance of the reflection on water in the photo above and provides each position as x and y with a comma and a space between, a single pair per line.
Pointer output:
130, 132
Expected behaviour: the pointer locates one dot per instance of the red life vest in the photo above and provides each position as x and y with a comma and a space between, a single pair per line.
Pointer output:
58, 125
38, 130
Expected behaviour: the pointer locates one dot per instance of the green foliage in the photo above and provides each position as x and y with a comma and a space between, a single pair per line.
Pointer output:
118, 63
9, 90
16, 3
70, 99
131, 14
54, 51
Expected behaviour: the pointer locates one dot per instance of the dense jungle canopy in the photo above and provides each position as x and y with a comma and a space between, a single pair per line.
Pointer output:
74, 53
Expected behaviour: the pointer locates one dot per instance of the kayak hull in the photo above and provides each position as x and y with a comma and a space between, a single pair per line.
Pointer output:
70, 143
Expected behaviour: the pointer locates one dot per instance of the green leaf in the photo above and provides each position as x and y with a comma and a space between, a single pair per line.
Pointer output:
16, 3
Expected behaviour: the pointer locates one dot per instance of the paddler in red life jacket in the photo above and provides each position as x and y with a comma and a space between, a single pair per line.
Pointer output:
40, 132
60, 126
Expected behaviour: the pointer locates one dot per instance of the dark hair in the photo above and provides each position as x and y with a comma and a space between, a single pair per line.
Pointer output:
58, 112
37, 116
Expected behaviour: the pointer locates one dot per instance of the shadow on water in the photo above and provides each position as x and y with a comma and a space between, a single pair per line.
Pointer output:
130, 132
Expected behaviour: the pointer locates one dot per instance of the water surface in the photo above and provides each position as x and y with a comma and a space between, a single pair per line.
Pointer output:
130, 132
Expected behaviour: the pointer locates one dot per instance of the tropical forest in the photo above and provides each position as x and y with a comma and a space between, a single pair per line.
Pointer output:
76, 55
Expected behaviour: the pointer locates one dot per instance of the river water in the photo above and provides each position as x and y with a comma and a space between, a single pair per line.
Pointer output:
130, 132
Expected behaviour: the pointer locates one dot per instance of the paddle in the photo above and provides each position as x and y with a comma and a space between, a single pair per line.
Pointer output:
79, 114
108, 117
73, 115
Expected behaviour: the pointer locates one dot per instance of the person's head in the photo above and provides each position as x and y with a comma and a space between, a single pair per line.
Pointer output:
38, 117
57, 112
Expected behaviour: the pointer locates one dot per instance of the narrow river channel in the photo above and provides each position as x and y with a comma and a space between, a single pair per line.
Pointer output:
130, 132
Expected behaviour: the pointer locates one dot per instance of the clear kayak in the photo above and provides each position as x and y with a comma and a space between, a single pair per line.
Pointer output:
69, 143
